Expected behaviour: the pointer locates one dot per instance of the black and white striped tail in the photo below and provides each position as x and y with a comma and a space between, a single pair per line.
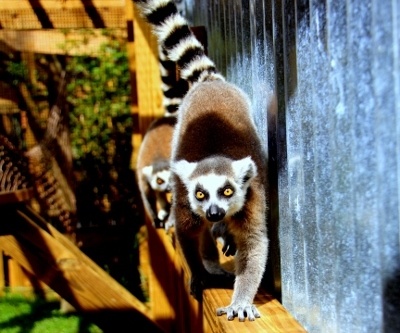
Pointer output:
173, 34
173, 87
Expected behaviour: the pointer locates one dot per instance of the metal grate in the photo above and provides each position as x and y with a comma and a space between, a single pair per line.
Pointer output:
334, 147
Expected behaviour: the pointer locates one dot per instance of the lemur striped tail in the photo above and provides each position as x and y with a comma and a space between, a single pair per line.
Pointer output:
173, 87
174, 36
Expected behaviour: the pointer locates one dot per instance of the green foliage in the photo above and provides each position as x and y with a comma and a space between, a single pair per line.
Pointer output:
99, 92
16, 70
19, 314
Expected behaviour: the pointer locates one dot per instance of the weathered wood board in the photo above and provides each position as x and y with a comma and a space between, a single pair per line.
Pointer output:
54, 14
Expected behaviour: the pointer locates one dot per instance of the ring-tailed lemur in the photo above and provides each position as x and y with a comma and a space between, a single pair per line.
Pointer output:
153, 167
153, 170
218, 164
173, 87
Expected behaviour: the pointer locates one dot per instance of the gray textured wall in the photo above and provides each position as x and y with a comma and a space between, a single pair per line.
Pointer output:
333, 147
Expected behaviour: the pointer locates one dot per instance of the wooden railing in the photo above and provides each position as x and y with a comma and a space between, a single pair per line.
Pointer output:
52, 258
175, 310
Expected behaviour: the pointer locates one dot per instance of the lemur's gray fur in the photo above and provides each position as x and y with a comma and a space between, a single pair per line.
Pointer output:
218, 167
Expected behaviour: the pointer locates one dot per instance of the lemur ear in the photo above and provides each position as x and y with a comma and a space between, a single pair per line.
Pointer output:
147, 171
245, 170
183, 169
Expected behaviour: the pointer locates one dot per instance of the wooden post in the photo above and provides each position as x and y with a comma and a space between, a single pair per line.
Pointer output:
2, 274
148, 80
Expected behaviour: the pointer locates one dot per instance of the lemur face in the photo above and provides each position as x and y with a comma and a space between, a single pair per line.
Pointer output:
159, 181
215, 196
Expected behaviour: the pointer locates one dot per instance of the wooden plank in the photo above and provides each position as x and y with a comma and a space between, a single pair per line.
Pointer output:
37, 14
2, 274
160, 285
71, 42
274, 317
131, 48
189, 305
68, 244
148, 77
59, 4
23, 282
201, 317
16, 196
16, 275
173, 307
63, 268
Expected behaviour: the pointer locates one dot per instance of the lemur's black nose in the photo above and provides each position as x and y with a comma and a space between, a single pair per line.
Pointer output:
215, 213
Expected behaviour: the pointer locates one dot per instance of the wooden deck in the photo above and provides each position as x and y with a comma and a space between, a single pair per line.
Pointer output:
176, 311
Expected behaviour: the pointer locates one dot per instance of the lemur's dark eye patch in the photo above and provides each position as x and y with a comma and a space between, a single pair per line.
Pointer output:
226, 191
160, 181
200, 193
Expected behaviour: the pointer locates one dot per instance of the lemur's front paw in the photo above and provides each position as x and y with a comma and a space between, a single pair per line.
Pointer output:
241, 310
169, 224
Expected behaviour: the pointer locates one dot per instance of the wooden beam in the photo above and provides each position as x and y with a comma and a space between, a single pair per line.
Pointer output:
37, 14
274, 317
16, 196
71, 42
162, 300
130, 48
147, 78
202, 317
70, 273
2, 274
59, 4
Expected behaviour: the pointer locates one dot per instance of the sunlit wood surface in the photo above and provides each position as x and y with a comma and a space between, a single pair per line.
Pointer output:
167, 275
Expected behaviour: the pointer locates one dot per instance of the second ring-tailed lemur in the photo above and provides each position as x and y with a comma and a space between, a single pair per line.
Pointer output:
219, 166
153, 162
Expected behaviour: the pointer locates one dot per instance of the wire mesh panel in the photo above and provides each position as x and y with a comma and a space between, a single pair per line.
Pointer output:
334, 69
79, 156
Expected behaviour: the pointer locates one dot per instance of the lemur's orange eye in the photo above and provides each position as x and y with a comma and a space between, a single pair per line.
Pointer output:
228, 192
200, 195
160, 181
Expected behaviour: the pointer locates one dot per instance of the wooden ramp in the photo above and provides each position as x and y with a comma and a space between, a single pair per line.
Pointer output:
50, 256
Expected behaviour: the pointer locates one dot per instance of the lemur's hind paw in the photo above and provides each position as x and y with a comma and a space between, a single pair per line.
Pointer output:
162, 215
240, 310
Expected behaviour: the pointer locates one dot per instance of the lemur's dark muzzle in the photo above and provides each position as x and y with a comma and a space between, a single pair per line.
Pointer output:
215, 213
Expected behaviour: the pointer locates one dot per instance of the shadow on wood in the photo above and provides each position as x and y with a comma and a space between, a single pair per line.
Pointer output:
43, 251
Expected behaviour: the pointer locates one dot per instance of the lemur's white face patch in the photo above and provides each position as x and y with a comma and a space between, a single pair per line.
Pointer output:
159, 181
216, 196
218, 190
